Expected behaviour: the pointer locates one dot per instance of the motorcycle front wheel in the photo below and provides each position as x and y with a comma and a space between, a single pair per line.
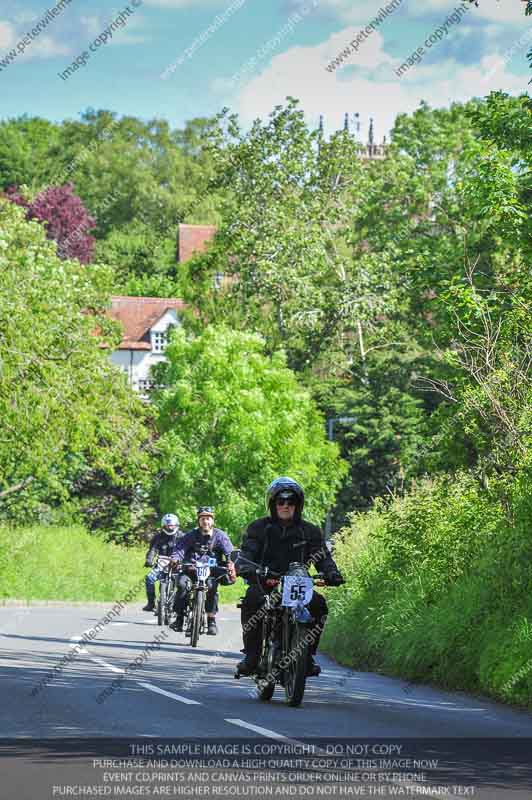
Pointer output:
295, 651
197, 617
161, 606
266, 685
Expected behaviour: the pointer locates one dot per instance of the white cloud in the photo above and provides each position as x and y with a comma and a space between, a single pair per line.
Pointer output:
94, 25
45, 47
368, 85
42, 47
7, 35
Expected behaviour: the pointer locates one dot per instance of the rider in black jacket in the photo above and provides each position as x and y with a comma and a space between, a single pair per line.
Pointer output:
162, 544
277, 541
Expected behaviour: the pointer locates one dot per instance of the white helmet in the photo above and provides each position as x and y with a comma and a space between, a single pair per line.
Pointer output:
170, 524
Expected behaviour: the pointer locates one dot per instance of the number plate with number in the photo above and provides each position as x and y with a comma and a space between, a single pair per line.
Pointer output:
203, 571
297, 590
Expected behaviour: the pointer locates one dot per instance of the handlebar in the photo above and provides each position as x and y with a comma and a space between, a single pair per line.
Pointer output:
265, 572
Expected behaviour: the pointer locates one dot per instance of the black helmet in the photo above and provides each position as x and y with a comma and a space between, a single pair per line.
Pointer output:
288, 485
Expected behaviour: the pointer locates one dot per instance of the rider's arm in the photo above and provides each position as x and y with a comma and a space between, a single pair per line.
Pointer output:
181, 546
251, 549
224, 543
226, 547
152, 552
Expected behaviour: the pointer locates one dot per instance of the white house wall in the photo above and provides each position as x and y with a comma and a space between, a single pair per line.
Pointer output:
136, 364
168, 318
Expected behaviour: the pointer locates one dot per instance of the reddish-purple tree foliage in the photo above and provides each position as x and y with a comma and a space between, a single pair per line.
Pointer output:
12, 193
67, 220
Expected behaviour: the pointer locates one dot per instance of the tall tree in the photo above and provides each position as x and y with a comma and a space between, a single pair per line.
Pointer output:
231, 419
66, 410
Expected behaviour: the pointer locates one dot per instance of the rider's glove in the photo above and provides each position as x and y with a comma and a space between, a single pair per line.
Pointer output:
148, 564
231, 571
334, 578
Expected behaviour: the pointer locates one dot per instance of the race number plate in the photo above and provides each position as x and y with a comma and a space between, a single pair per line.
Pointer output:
297, 590
203, 571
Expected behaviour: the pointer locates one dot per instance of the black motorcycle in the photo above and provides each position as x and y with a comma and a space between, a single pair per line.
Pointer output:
167, 590
287, 635
195, 617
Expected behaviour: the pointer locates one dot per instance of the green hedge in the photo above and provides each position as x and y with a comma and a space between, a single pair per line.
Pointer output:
58, 563
439, 589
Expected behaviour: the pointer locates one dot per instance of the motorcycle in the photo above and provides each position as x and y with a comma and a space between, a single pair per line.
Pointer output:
167, 590
195, 617
286, 633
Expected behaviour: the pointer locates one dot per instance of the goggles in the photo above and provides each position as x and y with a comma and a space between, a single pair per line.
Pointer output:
285, 500
205, 510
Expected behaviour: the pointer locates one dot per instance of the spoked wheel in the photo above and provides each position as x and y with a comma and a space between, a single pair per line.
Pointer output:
197, 617
266, 685
296, 649
161, 605
169, 604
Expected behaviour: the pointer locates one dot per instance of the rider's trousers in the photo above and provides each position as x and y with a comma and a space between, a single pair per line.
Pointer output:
252, 619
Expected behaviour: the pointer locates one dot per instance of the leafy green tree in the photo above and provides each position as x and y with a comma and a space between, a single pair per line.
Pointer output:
232, 418
27, 151
288, 204
144, 261
66, 410
138, 171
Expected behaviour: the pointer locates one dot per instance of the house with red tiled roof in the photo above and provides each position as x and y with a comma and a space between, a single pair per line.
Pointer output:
146, 320
193, 239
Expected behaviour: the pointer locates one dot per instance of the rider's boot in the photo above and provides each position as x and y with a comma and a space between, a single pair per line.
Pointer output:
212, 627
252, 642
177, 624
150, 605
248, 665
313, 669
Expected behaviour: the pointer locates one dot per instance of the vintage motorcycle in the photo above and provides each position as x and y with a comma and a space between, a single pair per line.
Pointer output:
167, 590
286, 633
195, 617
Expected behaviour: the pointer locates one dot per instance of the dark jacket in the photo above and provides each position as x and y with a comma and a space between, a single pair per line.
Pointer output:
269, 544
162, 545
190, 545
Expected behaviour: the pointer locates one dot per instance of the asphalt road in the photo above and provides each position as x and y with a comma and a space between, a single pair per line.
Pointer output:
377, 735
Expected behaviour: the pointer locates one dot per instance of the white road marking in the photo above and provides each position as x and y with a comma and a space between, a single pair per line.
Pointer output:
173, 696
105, 664
411, 703
262, 731
81, 649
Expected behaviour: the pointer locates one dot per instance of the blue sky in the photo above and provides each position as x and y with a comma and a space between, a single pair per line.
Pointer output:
165, 62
